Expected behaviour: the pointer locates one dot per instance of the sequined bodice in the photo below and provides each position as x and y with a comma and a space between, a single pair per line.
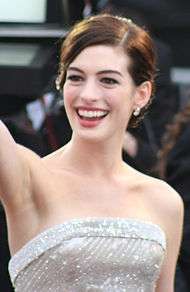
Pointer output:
91, 254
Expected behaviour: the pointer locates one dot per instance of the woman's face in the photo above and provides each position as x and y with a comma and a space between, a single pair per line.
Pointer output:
99, 93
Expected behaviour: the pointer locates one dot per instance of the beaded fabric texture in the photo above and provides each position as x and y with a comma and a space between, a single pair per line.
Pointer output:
91, 254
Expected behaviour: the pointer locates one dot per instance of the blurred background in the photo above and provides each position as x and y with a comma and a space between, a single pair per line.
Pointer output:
31, 33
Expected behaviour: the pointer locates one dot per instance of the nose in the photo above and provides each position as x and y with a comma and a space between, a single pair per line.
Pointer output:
90, 91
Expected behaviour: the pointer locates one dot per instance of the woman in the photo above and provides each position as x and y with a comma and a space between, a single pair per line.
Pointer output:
174, 167
81, 219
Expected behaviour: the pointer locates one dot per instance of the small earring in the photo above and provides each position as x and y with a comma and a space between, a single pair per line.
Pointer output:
137, 111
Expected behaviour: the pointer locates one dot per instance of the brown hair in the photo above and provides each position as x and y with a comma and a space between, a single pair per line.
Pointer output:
106, 29
173, 131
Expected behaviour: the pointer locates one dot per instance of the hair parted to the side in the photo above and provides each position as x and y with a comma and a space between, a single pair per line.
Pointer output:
107, 29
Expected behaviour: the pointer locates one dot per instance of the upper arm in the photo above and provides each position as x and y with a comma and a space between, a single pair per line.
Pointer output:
173, 221
14, 169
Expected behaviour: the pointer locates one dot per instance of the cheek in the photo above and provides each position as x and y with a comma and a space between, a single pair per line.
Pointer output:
68, 94
121, 101
125, 106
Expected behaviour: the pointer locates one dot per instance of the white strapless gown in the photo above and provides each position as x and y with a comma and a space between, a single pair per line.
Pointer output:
91, 254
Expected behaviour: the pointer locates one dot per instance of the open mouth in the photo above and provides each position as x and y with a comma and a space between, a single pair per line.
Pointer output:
92, 115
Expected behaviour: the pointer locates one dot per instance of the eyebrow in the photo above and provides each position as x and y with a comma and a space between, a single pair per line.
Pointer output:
99, 72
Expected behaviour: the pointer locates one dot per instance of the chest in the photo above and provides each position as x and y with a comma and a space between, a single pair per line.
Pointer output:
73, 196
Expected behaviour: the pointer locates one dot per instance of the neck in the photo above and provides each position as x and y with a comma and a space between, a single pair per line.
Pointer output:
93, 158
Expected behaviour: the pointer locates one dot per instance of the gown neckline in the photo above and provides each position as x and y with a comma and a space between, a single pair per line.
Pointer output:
93, 219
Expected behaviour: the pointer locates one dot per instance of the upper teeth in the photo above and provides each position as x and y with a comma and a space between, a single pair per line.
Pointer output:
91, 114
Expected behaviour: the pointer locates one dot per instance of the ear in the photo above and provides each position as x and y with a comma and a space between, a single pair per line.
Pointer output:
142, 94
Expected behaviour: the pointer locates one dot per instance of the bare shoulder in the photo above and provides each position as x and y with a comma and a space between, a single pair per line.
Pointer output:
159, 196
54, 159
165, 205
162, 195
165, 196
53, 156
31, 161
27, 154
38, 167
33, 158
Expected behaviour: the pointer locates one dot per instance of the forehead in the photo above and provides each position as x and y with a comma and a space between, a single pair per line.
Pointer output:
102, 57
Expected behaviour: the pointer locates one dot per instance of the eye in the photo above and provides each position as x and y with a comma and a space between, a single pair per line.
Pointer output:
74, 78
109, 81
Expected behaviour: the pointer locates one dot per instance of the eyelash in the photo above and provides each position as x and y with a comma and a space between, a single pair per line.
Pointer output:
74, 78
105, 80
109, 81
